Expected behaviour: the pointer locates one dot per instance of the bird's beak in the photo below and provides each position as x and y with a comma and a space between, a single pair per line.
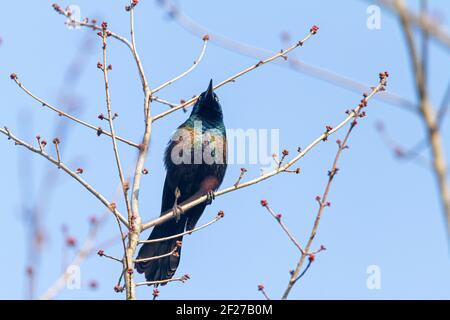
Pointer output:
209, 91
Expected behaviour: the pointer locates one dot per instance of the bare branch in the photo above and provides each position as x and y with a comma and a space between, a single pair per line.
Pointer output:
58, 155
241, 175
101, 253
168, 103
263, 291
123, 183
81, 255
304, 271
157, 257
131, 45
135, 219
65, 114
323, 201
428, 113
281, 54
149, 283
71, 173
196, 63
186, 206
294, 64
283, 226
423, 21
219, 216
91, 25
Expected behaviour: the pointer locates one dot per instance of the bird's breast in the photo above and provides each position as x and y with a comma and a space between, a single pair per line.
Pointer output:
194, 146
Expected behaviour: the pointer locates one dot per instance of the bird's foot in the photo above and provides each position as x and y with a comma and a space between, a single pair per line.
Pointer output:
210, 196
177, 210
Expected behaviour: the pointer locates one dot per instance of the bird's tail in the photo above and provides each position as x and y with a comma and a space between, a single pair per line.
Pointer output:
163, 268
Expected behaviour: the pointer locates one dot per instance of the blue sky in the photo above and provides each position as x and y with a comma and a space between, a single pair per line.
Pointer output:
384, 212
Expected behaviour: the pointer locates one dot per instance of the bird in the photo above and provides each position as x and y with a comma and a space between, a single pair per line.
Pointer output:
196, 162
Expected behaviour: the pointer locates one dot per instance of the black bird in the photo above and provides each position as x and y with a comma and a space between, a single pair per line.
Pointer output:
195, 161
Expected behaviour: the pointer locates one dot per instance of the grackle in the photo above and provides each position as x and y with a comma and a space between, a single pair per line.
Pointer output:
195, 161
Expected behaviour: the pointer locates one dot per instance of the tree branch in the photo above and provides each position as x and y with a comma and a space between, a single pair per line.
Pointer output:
323, 201
149, 283
71, 173
135, 218
124, 184
277, 217
423, 21
428, 113
169, 214
158, 257
196, 63
65, 114
294, 64
281, 54
219, 216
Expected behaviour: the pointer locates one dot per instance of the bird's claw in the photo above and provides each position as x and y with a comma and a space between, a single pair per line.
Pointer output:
177, 210
210, 196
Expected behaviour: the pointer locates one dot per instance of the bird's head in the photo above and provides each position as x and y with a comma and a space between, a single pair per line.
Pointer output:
207, 105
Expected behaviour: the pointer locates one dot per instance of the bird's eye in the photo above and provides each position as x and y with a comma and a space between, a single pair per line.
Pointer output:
216, 98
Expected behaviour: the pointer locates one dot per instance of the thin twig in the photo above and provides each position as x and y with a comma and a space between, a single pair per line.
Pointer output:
304, 271
68, 116
90, 25
423, 21
135, 219
428, 113
241, 175
196, 63
149, 283
399, 151
58, 155
425, 41
294, 64
131, 45
281, 54
169, 214
73, 174
263, 291
162, 101
81, 255
219, 216
86, 250
157, 257
111, 257
284, 227
124, 184
323, 201
415, 151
